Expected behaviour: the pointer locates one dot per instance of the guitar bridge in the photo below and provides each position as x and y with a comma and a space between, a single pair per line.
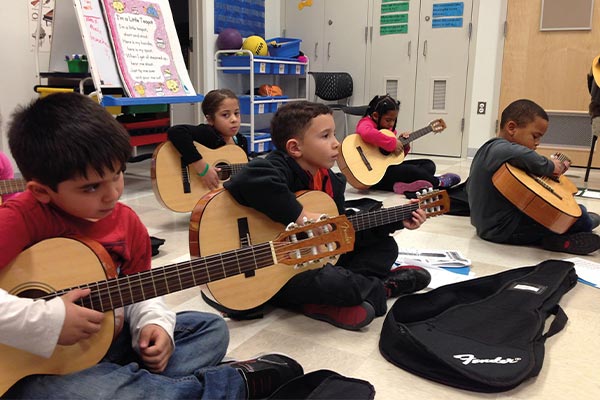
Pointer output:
364, 158
185, 177
244, 236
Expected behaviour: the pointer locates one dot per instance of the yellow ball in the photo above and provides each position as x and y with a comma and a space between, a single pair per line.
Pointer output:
256, 45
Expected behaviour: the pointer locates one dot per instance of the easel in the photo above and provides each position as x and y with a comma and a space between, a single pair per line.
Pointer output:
80, 29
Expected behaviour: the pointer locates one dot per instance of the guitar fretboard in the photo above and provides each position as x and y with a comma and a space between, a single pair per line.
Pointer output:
114, 293
415, 135
12, 186
381, 217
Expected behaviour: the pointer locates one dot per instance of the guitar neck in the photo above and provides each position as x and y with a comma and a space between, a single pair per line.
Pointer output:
114, 293
415, 135
381, 217
12, 186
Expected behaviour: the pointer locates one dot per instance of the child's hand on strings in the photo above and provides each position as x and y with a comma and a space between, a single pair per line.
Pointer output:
560, 166
80, 322
208, 174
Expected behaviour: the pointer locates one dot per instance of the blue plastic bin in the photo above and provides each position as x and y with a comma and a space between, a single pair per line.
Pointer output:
262, 108
260, 147
284, 47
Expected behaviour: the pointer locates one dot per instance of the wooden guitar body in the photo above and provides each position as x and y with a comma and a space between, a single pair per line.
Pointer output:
364, 164
177, 186
548, 202
219, 223
46, 267
215, 228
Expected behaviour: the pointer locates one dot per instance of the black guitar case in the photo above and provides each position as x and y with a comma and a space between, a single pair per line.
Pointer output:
485, 334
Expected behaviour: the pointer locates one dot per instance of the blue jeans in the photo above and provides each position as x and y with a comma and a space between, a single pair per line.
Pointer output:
201, 341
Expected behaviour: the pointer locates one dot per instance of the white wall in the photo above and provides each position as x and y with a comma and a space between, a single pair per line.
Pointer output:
18, 76
486, 74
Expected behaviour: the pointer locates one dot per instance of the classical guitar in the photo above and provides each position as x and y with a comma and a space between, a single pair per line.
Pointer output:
218, 223
547, 200
54, 266
177, 186
364, 164
8, 186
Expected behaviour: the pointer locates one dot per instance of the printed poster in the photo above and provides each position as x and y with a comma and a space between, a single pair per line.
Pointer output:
147, 49
41, 10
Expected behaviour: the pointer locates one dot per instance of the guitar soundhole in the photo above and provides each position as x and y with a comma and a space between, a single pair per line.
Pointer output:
32, 293
225, 172
384, 152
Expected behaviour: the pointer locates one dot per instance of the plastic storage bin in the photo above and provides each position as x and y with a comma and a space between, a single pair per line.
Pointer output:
274, 106
284, 47
259, 147
260, 67
261, 108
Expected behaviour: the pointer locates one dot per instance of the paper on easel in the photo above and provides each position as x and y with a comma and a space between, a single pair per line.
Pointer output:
147, 48
440, 258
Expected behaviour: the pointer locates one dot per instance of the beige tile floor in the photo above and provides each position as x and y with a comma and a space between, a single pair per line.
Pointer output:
572, 364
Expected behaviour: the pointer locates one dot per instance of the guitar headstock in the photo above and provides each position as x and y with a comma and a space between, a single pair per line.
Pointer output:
434, 202
437, 125
314, 241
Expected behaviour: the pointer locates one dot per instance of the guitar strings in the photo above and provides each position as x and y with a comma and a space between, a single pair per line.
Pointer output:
113, 293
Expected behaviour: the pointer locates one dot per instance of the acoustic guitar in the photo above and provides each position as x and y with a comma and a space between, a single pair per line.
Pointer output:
8, 186
177, 186
547, 200
55, 266
364, 164
219, 223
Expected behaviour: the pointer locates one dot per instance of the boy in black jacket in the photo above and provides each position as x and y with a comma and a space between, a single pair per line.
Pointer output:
350, 296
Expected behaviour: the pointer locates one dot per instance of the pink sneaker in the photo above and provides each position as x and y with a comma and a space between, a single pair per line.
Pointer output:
401, 187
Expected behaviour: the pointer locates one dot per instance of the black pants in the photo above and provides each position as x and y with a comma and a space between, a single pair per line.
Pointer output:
357, 276
408, 171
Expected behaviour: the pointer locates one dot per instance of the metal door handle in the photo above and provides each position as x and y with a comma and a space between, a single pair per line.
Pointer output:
316, 45
409, 48
328, 47
425, 48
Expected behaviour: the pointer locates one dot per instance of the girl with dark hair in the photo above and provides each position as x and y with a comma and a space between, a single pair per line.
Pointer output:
411, 175
221, 108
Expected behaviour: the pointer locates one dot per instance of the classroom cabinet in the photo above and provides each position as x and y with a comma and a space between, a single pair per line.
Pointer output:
417, 51
334, 37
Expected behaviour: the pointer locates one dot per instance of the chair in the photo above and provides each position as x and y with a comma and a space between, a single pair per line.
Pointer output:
336, 86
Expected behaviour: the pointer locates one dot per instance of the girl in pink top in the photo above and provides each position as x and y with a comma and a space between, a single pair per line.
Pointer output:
411, 175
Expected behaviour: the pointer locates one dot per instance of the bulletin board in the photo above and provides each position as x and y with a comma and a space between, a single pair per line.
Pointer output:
566, 15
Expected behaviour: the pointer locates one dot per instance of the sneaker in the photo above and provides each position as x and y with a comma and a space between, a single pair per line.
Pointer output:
406, 279
351, 318
448, 180
581, 243
595, 220
266, 373
401, 187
